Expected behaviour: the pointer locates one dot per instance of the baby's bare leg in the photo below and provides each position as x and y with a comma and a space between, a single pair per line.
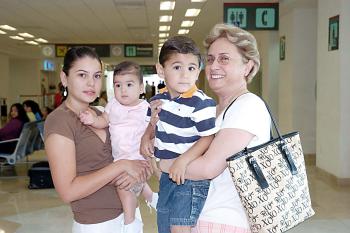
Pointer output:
129, 202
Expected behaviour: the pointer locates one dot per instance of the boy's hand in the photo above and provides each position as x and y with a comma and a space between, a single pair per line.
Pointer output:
87, 117
178, 169
155, 106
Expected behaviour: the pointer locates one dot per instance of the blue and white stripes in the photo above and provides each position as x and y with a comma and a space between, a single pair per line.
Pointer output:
182, 121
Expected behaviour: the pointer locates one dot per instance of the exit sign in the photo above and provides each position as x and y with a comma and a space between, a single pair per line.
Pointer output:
252, 16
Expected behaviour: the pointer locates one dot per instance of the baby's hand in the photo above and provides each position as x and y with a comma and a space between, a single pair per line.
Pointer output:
86, 117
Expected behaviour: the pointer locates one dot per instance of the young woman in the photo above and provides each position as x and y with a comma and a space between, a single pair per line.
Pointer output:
80, 156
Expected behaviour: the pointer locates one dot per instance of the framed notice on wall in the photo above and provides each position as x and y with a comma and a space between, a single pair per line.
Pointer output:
282, 48
333, 33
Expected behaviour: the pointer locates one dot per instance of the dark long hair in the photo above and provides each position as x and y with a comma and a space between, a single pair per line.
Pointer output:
75, 53
22, 115
34, 106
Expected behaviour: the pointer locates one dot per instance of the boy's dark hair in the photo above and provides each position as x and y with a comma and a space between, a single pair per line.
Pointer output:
128, 67
75, 53
179, 44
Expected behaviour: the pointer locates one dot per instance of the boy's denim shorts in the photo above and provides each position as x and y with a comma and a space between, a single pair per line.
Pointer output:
180, 205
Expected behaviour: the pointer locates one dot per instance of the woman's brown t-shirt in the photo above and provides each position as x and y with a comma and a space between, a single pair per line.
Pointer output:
91, 154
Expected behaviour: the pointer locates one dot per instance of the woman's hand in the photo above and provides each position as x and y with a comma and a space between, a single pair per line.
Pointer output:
178, 169
140, 170
124, 181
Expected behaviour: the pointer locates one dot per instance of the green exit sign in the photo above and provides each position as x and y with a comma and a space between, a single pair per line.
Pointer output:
252, 16
138, 50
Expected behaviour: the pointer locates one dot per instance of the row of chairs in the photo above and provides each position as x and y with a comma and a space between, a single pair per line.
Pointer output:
31, 139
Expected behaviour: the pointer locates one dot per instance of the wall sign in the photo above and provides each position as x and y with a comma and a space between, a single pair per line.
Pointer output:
103, 50
333, 33
138, 50
282, 48
252, 16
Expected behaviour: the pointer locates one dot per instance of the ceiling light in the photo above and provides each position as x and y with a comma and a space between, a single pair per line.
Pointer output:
31, 42
165, 18
162, 40
163, 35
167, 5
183, 31
16, 37
7, 27
160, 45
27, 35
192, 12
187, 24
2, 32
198, 0
41, 40
164, 28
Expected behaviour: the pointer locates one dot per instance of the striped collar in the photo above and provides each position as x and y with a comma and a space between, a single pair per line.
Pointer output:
187, 94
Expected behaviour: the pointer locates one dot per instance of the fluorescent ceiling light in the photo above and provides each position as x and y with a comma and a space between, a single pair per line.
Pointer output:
160, 45
198, 0
163, 35
27, 35
7, 27
162, 40
164, 28
31, 42
2, 32
167, 5
188, 23
16, 37
41, 40
165, 18
183, 31
192, 12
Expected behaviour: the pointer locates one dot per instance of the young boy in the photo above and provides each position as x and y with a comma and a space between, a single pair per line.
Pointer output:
186, 121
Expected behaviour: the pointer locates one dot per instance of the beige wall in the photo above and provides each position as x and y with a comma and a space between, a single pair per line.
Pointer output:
333, 111
297, 73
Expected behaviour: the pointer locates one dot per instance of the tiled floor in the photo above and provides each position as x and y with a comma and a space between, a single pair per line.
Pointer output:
28, 211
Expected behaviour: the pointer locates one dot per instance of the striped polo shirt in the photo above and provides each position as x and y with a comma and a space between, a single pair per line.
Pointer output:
182, 121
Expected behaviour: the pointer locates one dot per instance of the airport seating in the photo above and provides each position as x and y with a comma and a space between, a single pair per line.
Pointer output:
25, 143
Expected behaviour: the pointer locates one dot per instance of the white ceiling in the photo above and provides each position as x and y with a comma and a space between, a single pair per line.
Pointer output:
99, 21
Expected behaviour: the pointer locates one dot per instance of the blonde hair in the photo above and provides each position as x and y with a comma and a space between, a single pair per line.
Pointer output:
243, 40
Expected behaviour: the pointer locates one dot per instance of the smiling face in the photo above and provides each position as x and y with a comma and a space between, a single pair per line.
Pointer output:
83, 80
127, 89
225, 69
180, 73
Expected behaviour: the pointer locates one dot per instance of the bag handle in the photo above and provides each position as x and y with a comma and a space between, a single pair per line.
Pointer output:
283, 145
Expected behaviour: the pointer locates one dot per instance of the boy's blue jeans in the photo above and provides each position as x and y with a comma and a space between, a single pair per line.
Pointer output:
180, 205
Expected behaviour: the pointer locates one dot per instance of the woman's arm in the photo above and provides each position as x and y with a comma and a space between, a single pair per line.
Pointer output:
226, 143
61, 155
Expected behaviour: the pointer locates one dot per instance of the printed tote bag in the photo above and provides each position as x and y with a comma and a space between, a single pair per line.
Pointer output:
272, 183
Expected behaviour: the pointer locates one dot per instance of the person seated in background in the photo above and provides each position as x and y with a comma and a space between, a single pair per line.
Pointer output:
13, 128
46, 111
102, 100
33, 110
58, 95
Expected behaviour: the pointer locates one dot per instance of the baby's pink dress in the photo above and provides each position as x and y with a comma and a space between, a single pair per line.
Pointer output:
127, 124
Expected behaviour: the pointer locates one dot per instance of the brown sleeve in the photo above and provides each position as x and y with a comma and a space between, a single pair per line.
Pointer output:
60, 122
